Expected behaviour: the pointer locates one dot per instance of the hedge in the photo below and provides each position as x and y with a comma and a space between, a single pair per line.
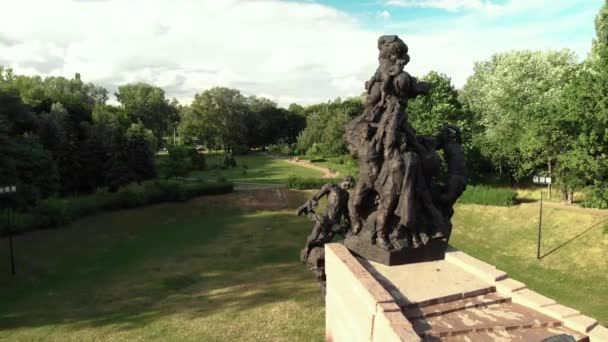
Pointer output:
55, 212
301, 183
485, 195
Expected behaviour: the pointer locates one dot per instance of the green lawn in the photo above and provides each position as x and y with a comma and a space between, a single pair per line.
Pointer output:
226, 268
254, 167
575, 273
204, 270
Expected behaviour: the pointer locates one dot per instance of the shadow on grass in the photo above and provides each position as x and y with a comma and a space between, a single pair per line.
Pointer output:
193, 260
588, 229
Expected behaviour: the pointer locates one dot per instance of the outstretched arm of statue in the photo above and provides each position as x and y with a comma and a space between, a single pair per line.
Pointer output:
323, 192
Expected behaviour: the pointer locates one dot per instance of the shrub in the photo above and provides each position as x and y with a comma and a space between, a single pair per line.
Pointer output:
485, 195
240, 150
51, 212
229, 161
301, 183
197, 159
130, 196
54, 212
596, 196
178, 163
283, 149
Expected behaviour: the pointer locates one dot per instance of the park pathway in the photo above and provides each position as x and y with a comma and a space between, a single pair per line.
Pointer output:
327, 173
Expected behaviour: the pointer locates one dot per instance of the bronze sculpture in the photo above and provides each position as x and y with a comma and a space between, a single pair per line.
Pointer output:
401, 207
334, 221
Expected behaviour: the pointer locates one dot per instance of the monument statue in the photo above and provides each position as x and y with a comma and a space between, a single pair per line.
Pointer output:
401, 206
402, 203
334, 221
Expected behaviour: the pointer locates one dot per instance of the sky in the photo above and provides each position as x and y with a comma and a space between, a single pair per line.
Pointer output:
302, 51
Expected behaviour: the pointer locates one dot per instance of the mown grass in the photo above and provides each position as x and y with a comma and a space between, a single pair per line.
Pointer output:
254, 167
216, 269
488, 196
205, 270
574, 269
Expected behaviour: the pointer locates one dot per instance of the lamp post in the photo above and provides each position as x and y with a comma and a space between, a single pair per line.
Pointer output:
540, 181
8, 191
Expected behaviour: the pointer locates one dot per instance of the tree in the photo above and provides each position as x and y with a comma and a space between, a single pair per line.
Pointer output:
325, 126
108, 115
216, 117
118, 170
514, 98
585, 117
141, 153
147, 104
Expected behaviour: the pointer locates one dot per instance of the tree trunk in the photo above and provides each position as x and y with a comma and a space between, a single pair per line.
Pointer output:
570, 197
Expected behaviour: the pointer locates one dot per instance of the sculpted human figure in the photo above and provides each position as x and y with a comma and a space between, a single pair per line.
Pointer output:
335, 219
450, 142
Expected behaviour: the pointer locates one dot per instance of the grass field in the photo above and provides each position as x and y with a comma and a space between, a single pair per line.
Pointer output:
226, 268
204, 270
574, 269
254, 167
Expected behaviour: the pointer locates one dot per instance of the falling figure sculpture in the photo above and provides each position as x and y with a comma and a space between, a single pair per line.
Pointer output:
334, 221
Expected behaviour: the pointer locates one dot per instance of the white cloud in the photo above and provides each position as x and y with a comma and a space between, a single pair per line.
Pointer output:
450, 5
384, 14
301, 52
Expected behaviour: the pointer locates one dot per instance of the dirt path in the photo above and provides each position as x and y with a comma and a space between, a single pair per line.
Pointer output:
307, 164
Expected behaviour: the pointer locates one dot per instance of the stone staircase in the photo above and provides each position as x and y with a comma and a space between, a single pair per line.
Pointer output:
482, 316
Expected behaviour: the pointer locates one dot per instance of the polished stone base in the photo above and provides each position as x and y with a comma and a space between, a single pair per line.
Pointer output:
361, 246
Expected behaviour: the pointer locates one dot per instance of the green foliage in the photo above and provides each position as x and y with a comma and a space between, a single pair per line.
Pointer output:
485, 195
325, 127
222, 118
239, 150
179, 162
596, 196
229, 161
199, 162
282, 149
302, 183
147, 104
51, 212
514, 96
55, 212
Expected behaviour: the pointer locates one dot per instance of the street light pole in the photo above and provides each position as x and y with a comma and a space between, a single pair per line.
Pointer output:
540, 224
10, 217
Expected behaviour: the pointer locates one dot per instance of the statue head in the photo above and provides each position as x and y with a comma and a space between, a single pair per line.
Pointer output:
394, 49
347, 183
449, 134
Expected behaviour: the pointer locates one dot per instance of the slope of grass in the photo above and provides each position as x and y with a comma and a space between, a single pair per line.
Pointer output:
254, 167
574, 269
218, 269
204, 270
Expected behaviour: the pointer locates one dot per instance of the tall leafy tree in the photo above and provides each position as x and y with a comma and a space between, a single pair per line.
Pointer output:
514, 98
146, 104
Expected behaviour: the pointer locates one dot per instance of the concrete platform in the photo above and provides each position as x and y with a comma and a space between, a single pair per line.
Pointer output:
456, 299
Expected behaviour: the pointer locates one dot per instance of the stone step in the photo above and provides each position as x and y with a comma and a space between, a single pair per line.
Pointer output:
496, 317
413, 312
405, 304
517, 335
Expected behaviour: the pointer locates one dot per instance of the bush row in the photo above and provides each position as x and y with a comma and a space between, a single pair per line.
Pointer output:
301, 183
55, 212
485, 195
